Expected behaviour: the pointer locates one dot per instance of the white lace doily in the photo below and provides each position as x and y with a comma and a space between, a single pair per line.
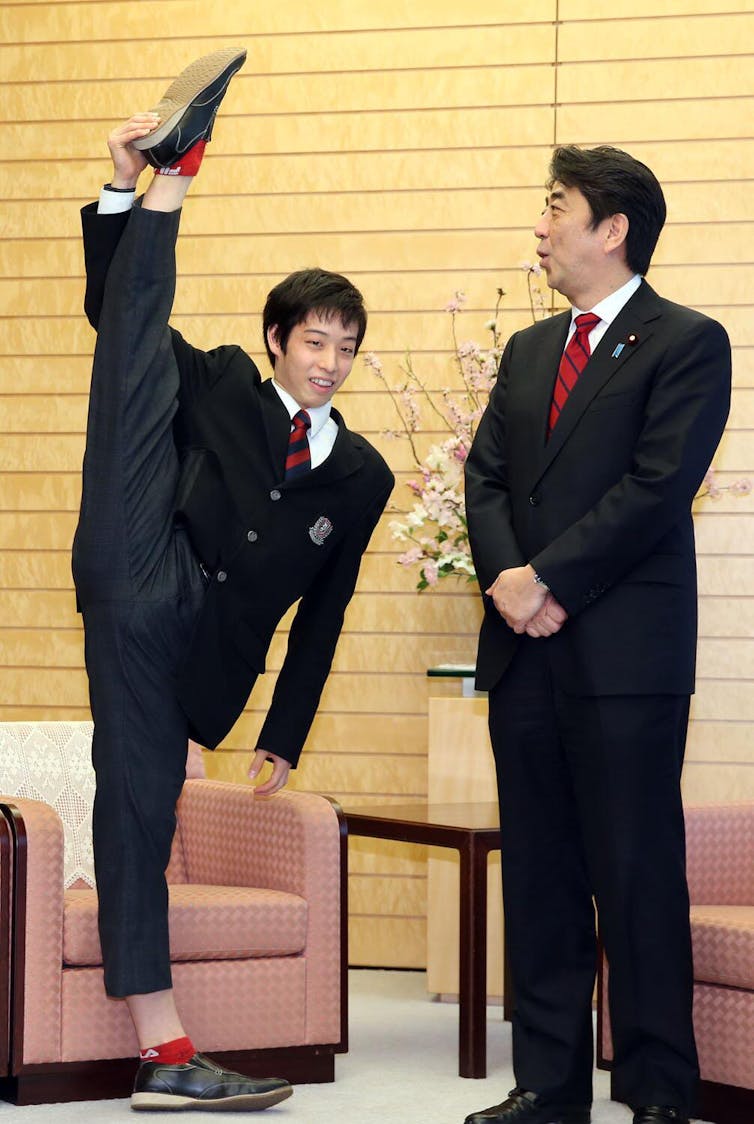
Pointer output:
52, 762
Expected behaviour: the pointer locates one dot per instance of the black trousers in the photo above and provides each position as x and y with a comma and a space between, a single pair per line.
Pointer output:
140, 590
590, 811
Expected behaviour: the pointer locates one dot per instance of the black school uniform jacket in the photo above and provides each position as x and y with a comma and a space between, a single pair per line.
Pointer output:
267, 542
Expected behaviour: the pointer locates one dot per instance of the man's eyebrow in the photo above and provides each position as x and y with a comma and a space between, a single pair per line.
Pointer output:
558, 193
322, 332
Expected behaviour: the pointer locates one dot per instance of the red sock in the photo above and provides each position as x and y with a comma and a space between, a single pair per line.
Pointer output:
177, 1052
188, 164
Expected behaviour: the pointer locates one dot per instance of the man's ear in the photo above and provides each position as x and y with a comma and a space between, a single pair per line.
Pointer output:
617, 232
273, 340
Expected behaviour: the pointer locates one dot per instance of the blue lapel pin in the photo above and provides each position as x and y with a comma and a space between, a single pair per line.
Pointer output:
618, 350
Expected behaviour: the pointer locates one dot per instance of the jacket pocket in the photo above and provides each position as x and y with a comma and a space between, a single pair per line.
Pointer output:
616, 401
668, 569
251, 645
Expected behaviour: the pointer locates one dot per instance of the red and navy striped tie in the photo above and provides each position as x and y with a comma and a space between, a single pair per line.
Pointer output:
299, 458
572, 363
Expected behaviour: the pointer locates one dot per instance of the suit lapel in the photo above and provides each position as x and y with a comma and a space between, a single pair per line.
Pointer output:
344, 459
277, 426
540, 375
625, 336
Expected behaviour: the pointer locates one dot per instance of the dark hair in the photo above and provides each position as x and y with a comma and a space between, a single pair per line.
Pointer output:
613, 182
312, 290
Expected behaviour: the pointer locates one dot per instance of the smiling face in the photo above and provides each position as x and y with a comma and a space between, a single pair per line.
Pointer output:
580, 260
317, 359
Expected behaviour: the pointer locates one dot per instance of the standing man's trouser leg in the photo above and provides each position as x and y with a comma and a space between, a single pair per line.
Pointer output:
140, 590
590, 807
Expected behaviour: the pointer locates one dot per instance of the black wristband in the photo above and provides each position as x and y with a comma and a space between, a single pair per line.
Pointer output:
120, 190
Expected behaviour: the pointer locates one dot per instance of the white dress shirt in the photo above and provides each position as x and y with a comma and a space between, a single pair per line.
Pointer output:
112, 202
323, 430
607, 310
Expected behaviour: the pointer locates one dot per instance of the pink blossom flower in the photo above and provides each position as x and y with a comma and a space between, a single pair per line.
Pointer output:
710, 486
458, 299
468, 348
429, 570
741, 487
411, 556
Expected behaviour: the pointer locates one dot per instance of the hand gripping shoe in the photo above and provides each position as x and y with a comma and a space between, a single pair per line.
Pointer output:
187, 108
201, 1084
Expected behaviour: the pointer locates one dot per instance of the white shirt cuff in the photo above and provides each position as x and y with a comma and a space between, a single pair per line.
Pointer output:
115, 202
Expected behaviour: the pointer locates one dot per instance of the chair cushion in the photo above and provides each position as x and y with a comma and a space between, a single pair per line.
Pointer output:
723, 942
206, 923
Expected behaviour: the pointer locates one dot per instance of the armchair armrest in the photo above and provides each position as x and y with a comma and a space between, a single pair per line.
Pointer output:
232, 838
292, 841
36, 927
720, 854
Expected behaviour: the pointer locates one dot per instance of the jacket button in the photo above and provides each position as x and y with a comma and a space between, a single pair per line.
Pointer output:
252, 536
275, 494
221, 576
534, 499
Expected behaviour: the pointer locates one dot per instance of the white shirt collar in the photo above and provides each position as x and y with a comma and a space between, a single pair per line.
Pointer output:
608, 308
318, 414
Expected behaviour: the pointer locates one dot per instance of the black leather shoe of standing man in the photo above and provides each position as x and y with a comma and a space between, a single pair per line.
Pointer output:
659, 1114
201, 1084
188, 107
523, 1107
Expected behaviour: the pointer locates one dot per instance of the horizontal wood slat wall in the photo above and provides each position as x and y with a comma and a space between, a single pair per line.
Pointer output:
405, 145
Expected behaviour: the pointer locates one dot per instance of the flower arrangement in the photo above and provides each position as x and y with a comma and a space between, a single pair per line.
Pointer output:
435, 530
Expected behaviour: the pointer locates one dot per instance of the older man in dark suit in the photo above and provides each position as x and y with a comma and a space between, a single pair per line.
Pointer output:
212, 502
579, 487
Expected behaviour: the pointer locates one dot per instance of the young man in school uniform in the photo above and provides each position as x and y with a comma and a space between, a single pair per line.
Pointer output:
212, 502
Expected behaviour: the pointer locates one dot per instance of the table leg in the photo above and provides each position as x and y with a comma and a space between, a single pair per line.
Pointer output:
472, 1030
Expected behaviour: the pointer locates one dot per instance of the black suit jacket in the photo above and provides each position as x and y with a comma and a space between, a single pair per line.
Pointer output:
603, 509
267, 541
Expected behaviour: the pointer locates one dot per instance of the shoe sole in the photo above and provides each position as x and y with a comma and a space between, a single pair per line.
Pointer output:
206, 78
244, 1102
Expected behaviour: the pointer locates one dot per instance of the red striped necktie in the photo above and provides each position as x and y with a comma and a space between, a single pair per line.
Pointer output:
572, 363
298, 460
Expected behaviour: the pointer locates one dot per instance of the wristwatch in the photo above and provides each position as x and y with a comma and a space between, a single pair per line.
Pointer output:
540, 581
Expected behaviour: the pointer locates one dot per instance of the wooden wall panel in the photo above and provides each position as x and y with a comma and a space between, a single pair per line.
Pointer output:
406, 145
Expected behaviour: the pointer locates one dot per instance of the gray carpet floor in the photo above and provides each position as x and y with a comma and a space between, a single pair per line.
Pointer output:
402, 1068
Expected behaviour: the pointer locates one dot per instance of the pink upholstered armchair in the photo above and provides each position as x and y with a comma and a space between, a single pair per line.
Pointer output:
257, 923
720, 863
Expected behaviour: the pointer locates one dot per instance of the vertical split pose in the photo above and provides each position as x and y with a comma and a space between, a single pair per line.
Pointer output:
212, 502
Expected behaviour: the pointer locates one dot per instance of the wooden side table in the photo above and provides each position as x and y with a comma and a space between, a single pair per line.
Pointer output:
460, 770
473, 830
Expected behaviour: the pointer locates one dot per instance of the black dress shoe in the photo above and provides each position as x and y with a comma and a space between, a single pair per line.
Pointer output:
187, 108
202, 1084
660, 1114
523, 1107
